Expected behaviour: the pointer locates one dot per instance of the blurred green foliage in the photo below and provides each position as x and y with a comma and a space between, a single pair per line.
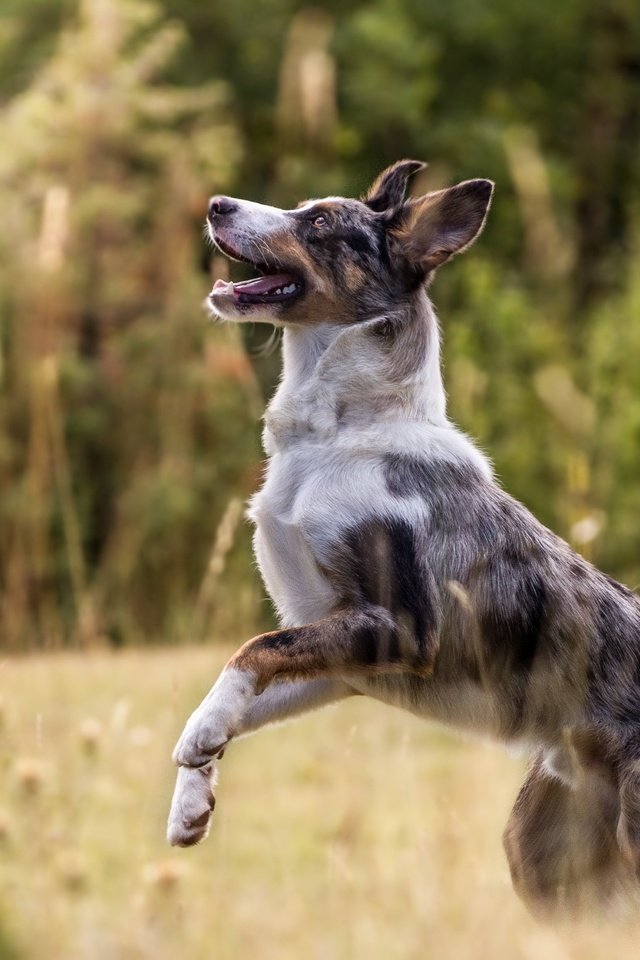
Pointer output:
129, 427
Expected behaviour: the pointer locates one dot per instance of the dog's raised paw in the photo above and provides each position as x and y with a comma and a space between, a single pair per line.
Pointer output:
196, 748
192, 806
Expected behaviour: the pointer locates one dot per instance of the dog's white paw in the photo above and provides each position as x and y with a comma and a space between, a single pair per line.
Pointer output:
201, 741
192, 806
216, 720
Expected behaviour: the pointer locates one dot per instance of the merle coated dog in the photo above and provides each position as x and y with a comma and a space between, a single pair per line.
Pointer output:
399, 567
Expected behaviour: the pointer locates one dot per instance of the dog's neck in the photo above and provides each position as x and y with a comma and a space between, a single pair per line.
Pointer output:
385, 370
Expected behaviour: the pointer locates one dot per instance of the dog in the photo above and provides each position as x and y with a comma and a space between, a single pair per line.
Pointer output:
399, 567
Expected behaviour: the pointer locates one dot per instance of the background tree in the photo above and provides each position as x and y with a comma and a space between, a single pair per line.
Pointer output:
109, 513
128, 427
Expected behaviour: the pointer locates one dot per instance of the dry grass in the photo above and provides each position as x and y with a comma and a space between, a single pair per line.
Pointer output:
359, 832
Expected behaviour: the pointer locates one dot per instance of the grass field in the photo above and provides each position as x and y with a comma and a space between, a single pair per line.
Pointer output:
357, 832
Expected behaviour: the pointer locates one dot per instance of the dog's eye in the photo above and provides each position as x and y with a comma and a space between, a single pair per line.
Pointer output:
319, 221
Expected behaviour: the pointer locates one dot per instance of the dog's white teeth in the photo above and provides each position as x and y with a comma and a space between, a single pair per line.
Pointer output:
284, 291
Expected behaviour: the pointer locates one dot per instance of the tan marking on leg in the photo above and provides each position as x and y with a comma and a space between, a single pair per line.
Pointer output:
330, 646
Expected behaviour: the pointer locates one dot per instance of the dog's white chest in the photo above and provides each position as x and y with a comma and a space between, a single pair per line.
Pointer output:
313, 492
282, 512
326, 472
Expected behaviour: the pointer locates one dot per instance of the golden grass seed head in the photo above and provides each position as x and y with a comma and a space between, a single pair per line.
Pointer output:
140, 737
73, 873
91, 733
164, 875
31, 775
5, 826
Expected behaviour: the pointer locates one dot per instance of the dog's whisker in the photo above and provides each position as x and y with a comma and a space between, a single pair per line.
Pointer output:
270, 345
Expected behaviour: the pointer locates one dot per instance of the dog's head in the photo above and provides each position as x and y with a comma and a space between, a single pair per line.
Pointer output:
338, 260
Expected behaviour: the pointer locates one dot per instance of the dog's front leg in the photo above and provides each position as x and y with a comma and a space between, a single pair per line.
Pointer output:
354, 640
360, 640
193, 798
191, 806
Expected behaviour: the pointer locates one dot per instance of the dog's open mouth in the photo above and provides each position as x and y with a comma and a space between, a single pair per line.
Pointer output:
270, 288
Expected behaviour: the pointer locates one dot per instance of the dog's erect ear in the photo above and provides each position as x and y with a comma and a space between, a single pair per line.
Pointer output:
387, 192
441, 224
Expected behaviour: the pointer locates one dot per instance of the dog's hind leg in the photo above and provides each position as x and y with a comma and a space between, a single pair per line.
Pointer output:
629, 822
560, 841
193, 798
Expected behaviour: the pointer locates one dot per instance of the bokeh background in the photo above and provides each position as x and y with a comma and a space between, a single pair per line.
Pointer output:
129, 441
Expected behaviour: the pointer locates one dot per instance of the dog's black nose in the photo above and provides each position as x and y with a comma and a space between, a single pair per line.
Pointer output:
221, 207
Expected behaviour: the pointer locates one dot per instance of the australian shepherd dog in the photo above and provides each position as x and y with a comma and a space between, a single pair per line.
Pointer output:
399, 567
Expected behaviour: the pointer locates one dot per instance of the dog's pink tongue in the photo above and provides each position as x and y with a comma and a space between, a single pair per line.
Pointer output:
264, 284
